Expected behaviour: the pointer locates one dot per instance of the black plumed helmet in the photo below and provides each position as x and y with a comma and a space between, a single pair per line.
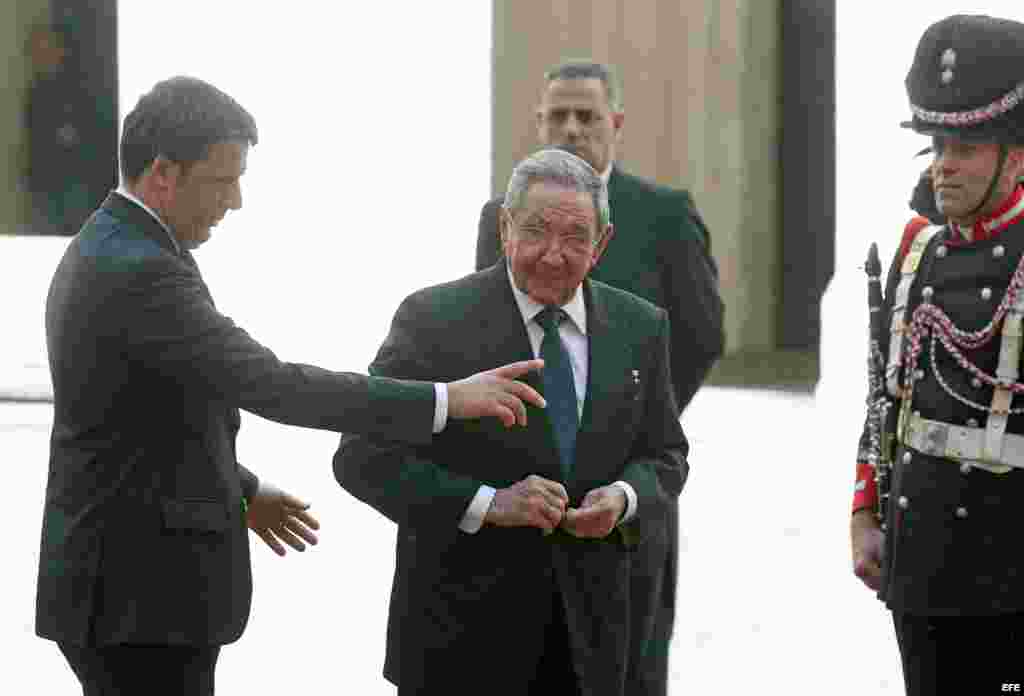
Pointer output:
967, 80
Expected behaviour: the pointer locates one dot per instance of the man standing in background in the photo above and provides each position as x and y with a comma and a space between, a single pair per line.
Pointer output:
662, 252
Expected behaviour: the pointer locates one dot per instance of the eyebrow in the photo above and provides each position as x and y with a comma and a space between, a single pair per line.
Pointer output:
534, 219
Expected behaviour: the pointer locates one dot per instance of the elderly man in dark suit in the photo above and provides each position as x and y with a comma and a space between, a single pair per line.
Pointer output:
144, 564
514, 549
661, 252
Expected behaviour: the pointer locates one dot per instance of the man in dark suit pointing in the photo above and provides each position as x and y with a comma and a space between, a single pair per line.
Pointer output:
144, 563
515, 548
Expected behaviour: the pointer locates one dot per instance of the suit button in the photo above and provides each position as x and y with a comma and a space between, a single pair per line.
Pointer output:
965, 468
961, 513
926, 292
986, 294
941, 251
903, 502
972, 422
907, 457
998, 251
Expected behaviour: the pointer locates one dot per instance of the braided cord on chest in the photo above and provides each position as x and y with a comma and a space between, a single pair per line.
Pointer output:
929, 320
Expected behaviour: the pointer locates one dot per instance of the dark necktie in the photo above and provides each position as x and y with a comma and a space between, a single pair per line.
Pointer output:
559, 386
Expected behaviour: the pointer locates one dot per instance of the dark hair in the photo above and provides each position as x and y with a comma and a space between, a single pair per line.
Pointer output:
587, 69
180, 118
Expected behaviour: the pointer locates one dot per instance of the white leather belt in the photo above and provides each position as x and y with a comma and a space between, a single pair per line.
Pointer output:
962, 443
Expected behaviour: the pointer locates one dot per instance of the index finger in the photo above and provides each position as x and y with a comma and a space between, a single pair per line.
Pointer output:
513, 370
291, 501
306, 518
525, 392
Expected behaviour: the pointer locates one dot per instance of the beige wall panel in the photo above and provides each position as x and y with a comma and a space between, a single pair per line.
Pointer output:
691, 112
604, 19
701, 87
645, 76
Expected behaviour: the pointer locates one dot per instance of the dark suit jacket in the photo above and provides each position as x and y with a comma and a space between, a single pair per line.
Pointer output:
661, 251
474, 607
143, 539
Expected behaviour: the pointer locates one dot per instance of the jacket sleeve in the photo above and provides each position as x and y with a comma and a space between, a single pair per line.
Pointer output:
693, 302
488, 248
657, 468
402, 481
250, 482
170, 325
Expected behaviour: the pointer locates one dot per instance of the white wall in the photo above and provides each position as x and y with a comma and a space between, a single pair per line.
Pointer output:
372, 163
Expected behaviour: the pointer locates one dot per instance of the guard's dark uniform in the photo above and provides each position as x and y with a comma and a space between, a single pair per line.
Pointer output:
953, 573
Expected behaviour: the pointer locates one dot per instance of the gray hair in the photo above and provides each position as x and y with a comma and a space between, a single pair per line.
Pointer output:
563, 168
588, 69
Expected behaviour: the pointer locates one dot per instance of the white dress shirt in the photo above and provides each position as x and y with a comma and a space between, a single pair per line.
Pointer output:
574, 337
440, 389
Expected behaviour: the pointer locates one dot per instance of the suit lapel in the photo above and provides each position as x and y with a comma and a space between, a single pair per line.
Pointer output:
608, 370
503, 339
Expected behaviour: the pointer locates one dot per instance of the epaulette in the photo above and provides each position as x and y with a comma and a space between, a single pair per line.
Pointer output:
910, 232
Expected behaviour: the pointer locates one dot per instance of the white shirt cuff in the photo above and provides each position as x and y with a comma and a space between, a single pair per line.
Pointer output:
630, 501
473, 519
440, 406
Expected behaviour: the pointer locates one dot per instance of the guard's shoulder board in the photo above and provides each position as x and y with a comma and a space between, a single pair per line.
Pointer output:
916, 236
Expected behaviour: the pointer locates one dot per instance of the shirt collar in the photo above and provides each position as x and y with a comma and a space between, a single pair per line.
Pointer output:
991, 225
529, 308
125, 193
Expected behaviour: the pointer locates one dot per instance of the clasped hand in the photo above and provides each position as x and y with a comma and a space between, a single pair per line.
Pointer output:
539, 502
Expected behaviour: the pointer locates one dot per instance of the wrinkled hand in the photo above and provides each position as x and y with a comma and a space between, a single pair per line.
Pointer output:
533, 502
277, 516
495, 393
597, 515
866, 542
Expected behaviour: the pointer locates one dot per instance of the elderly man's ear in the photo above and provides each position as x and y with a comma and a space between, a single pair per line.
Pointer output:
504, 225
602, 243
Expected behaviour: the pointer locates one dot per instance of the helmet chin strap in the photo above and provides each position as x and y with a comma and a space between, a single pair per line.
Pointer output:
1003, 152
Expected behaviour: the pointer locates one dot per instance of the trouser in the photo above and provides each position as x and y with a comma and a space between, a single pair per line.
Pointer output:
555, 673
552, 675
122, 670
974, 655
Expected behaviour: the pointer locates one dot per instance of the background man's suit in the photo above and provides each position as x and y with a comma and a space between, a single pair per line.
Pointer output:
472, 609
144, 537
661, 252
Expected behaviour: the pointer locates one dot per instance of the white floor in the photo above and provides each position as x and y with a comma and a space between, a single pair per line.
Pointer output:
769, 605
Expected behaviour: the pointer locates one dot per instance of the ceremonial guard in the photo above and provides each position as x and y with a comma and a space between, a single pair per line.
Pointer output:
938, 511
